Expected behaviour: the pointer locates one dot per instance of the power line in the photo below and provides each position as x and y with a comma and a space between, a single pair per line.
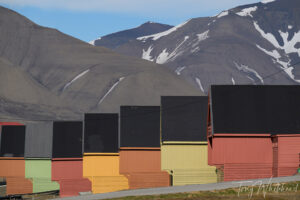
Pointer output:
273, 74
143, 113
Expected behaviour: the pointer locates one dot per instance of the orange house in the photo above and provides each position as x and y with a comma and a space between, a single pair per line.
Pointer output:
12, 163
140, 153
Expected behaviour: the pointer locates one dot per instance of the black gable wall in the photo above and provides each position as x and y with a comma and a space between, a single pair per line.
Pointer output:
255, 109
140, 126
67, 139
12, 141
184, 118
101, 133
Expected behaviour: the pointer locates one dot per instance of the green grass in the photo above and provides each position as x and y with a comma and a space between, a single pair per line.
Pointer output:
288, 192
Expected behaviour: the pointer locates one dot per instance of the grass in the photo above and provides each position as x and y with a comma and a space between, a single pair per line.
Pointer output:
283, 191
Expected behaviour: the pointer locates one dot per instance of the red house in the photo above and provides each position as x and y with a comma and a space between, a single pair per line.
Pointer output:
254, 131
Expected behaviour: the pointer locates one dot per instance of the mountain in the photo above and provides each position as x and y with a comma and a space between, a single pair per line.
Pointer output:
46, 74
115, 40
21, 96
251, 44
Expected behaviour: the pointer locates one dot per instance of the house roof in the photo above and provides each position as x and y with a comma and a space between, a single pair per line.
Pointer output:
255, 109
184, 118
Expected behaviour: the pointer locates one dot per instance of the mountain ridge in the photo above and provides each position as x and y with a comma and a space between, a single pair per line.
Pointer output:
114, 40
241, 45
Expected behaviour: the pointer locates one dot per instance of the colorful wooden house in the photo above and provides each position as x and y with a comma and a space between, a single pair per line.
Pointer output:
252, 131
12, 163
101, 159
67, 160
38, 154
184, 142
140, 153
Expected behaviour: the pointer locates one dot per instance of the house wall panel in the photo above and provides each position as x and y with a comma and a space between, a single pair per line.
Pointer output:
18, 185
104, 173
188, 164
288, 155
66, 169
241, 150
12, 167
195, 176
39, 172
184, 157
133, 161
245, 171
101, 166
38, 168
38, 140
148, 180
72, 187
104, 184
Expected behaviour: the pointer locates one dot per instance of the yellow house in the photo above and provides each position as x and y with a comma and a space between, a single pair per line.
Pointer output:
183, 140
187, 163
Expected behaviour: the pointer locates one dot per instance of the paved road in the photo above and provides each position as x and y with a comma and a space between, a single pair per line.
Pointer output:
182, 189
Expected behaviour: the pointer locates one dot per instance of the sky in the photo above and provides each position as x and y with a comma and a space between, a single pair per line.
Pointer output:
91, 19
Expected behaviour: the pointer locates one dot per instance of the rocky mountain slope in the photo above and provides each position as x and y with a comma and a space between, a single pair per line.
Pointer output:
250, 44
115, 40
47, 74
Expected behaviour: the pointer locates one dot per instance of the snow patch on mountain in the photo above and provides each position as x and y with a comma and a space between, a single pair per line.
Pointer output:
198, 81
179, 70
75, 78
247, 11
146, 54
164, 56
283, 64
289, 45
267, 1
203, 36
233, 81
253, 81
110, 90
223, 14
162, 34
268, 36
249, 71
273, 53
93, 41
195, 50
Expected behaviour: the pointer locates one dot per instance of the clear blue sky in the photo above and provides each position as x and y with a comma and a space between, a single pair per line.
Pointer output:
90, 19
